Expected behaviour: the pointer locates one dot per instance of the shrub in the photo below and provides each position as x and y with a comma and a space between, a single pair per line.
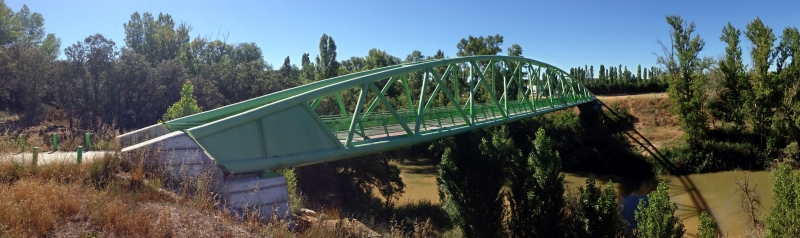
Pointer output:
187, 105
655, 217
785, 215
599, 211
707, 227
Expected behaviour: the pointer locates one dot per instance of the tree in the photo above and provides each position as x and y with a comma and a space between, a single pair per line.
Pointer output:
327, 66
639, 72
763, 87
9, 25
187, 105
306, 69
707, 227
785, 213
655, 217
599, 210
602, 73
515, 50
286, 68
591, 71
415, 56
31, 27
157, 39
480, 45
470, 182
537, 190
685, 86
733, 81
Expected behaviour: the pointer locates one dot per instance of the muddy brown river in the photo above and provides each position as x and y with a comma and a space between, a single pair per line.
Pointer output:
714, 192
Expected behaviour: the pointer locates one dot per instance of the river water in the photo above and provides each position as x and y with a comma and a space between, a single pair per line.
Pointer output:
712, 192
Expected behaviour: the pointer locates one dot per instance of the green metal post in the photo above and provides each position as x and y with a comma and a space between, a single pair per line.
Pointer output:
455, 86
21, 143
356, 115
87, 140
80, 154
55, 142
493, 82
471, 94
505, 87
421, 102
408, 92
35, 158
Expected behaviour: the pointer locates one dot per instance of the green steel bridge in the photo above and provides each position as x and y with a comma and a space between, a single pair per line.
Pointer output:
381, 109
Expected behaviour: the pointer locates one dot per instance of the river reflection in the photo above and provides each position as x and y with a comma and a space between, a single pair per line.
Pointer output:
714, 192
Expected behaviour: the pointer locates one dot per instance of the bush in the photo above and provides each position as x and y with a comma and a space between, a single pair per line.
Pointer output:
707, 227
600, 216
655, 217
784, 218
187, 105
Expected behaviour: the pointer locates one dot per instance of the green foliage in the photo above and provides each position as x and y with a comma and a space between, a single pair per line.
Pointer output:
734, 82
158, 39
655, 217
686, 86
536, 199
187, 105
707, 227
515, 50
763, 95
9, 25
470, 182
295, 197
490, 45
327, 66
785, 215
599, 212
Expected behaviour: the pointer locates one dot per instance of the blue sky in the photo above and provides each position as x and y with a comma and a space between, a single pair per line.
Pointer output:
563, 33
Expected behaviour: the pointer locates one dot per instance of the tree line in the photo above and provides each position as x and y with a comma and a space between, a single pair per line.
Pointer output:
619, 80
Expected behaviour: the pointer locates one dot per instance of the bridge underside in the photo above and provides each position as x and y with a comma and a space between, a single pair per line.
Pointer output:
378, 110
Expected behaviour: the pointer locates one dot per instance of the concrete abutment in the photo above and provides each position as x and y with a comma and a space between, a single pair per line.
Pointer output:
186, 165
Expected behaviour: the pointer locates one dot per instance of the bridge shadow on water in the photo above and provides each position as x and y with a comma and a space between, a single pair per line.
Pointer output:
681, 185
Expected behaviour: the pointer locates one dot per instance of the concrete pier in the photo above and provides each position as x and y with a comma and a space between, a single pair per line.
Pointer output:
182, 159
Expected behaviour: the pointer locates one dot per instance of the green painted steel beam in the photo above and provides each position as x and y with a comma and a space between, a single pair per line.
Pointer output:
214, 127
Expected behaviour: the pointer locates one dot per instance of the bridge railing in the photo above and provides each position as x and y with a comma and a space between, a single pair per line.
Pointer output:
334, 119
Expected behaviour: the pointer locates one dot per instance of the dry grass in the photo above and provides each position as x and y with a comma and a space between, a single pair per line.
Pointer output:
111, 197
654, 121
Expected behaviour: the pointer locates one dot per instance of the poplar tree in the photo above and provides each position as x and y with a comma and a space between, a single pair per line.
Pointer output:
327, 66
685, 90
639, 72
733, 81
763, 87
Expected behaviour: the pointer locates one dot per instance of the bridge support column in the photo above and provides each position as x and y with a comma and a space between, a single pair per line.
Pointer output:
186, 167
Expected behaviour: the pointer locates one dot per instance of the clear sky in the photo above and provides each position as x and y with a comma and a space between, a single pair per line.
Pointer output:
563, 33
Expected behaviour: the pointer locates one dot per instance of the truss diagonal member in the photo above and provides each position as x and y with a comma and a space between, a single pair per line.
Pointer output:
339, 101
316, 102
421, 102
356, 115
391, 109
438, 85
474, 90
491, 94
450, 96
375, 102
407, 92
